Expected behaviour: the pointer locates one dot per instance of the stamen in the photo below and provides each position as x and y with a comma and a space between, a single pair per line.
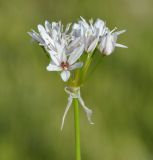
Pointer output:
65, 65
113, 30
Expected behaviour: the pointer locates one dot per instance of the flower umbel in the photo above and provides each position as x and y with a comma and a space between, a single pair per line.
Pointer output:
66, 46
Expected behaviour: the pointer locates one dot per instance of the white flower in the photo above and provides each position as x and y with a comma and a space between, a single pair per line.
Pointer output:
108, 42
37, 37
88, 32
53, 32
100, 26
65, 63
64, 51
57, 48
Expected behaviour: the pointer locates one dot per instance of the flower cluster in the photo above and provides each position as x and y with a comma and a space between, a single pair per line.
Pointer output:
65, 46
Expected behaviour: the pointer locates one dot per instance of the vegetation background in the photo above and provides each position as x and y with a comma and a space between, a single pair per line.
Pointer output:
120, 90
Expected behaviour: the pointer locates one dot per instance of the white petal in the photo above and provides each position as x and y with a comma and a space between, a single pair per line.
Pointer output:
65, 75
36, 37
120, 45
53, 67
61, 55
54, 57
42, 31
45, 36
75, 43
92, 45
100, 25
60, 48
75, 55
64, 57
102, 44
109, 45
76, 65
48, 26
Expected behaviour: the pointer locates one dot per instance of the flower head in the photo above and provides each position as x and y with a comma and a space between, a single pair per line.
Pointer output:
66, 45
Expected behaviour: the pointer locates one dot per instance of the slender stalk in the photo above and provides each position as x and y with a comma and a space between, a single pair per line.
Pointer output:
77, 130
86, 66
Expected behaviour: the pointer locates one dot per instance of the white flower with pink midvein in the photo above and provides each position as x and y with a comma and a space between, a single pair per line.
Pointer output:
60, 60
66, 63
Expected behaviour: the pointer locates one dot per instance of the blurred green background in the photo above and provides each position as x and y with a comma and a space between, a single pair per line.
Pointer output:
120, 90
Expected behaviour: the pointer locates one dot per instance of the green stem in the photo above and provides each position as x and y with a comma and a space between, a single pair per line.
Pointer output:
86, 66
77, 130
